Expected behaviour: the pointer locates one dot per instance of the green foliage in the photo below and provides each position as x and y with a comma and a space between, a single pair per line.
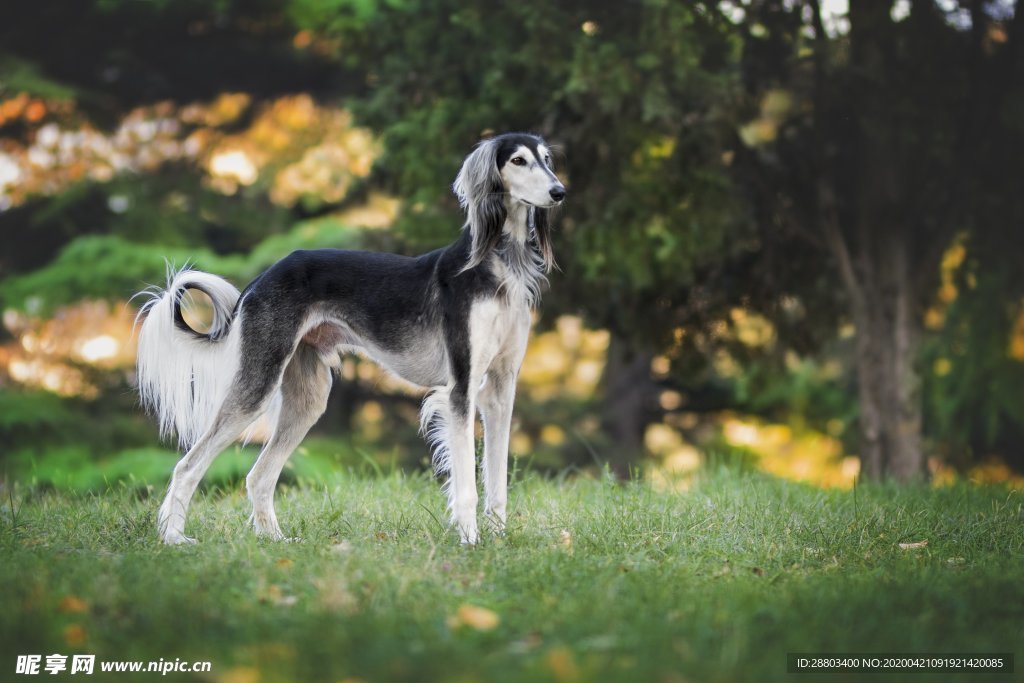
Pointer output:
804, 393
32, 413
722, 456
973, 403
161, 7
631, 90
92, 267
33, 422
77, 468
109, 267
61, 442
19, 75
174, 208
311, 234
592, 582
339, 15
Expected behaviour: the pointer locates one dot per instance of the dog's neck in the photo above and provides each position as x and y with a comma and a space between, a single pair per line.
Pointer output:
517, 221
519, 264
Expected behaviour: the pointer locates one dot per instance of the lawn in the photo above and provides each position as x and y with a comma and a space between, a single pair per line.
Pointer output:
594, 581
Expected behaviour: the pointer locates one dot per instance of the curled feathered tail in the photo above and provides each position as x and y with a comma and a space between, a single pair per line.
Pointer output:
183, 375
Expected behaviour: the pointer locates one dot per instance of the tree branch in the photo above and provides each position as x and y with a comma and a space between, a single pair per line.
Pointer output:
840, 250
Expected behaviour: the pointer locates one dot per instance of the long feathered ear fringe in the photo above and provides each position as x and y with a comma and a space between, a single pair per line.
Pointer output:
541, 232
482, 195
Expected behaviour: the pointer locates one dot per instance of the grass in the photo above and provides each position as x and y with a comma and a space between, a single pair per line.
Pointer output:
594, 581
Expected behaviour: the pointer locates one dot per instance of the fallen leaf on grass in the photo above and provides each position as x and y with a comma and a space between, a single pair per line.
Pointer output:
278, 597
74, 635
73, 605
240, 674
479, 618
563, 664
912, 546
266, 654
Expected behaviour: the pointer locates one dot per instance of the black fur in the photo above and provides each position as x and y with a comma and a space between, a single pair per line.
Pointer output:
389, 300
510, 142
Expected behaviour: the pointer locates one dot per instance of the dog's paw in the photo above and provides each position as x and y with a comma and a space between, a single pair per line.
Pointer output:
265, 526
177, 538
271, 534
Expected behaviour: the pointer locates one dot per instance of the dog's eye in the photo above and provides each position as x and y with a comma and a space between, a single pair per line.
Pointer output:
518, 161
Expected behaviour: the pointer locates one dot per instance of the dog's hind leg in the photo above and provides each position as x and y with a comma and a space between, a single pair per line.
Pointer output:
247, 399
304, 389
189, 471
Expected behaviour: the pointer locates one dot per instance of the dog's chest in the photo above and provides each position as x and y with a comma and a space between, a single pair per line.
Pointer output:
519, 276
497, 329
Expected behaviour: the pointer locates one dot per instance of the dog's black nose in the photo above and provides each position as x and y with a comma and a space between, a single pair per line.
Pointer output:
558, 193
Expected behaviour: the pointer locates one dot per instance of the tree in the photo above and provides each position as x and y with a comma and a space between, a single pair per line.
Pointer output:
635, 94
892, 139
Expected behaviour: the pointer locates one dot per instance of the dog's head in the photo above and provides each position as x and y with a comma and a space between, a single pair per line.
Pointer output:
516, 167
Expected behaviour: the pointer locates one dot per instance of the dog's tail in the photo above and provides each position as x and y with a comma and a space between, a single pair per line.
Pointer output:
183, 374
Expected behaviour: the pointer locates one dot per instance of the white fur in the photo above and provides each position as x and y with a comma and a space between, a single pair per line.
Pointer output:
490, 326
183, 379
530, 183
434, 426
452, 440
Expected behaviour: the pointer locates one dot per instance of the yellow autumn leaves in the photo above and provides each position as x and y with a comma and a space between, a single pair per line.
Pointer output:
74, 634
559, 659
473, 617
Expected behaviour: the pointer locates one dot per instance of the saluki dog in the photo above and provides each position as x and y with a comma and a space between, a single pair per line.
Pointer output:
455, 320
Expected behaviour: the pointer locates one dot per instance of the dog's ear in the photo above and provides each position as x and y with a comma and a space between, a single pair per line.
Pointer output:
541, 233
481, 194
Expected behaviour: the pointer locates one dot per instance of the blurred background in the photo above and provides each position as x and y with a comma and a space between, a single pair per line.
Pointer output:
794, 238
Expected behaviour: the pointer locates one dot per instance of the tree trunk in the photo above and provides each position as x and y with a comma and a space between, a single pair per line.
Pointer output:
628, 393
878, 274
889, 381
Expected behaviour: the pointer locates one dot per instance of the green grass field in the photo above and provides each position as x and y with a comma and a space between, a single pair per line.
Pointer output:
594, 581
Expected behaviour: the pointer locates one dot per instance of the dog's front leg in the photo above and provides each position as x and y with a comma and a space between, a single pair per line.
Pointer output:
496, 399
462, 495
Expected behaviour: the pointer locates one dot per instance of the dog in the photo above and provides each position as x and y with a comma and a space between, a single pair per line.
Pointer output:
455, 321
